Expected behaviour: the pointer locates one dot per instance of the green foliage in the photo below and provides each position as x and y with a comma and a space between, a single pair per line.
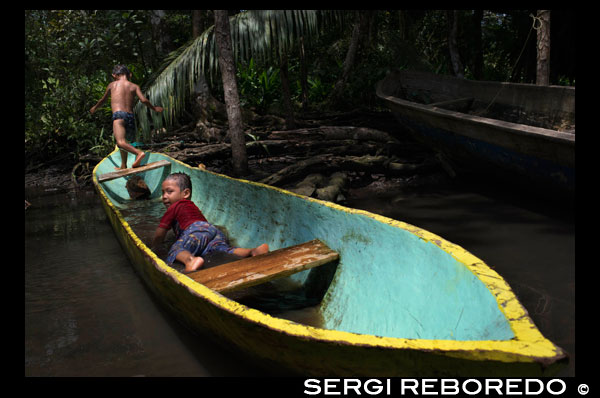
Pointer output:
258, 34
317, 90
69, 55
258, 88
61, 123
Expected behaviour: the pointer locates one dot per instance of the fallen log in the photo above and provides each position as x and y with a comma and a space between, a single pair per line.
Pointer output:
333, 192
295, 170
336, 140
321, 187
327, 163
309, 185
205, 152
333, 133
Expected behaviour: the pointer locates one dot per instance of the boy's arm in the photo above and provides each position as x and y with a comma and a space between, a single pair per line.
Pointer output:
145, 100
159, 237
104, 97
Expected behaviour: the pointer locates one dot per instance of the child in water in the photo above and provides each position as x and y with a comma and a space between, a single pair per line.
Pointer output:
195, 236
122, 95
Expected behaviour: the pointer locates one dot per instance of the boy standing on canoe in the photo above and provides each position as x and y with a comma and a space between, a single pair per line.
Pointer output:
195, 237
122, 95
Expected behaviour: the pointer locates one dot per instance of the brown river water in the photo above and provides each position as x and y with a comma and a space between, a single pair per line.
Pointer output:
88, 314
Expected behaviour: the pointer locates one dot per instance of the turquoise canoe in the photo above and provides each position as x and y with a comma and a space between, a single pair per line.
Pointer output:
401, 301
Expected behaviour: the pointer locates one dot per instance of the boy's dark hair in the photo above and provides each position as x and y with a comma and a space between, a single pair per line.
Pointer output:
121, 70
183, 180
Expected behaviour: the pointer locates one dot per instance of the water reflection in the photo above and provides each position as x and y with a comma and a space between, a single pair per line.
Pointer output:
87, 312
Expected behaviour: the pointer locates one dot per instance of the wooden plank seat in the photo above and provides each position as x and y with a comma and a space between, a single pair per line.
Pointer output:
133, 170
265, 267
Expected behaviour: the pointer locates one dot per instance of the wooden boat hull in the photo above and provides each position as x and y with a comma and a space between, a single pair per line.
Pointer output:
383, 283
524, 153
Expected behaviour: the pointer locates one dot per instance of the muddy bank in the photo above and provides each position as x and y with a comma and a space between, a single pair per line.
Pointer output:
330, 157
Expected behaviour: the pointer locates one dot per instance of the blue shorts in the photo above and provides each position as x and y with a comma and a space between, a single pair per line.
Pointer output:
129, 120
200, 239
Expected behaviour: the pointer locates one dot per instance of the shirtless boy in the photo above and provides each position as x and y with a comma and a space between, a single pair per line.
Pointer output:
122, 96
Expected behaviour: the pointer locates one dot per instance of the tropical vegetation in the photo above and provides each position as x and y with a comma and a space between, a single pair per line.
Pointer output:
286, 61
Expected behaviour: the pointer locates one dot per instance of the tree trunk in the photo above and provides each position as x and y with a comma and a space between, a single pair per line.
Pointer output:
477, 47
232, 100
350, 59
196, 23
162, 39
303, 75
457, 65
543, 48
199, 18
290, 122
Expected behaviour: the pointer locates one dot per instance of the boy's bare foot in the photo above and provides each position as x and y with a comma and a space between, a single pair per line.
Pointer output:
194, 265
121, 168
262, 249
138, 159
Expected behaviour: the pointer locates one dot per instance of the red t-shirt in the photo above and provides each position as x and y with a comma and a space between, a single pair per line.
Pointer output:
184, 211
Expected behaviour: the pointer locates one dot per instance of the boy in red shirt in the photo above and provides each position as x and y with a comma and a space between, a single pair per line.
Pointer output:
195, 236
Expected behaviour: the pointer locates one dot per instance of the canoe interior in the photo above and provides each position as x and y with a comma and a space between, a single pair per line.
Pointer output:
390, 280
549, 107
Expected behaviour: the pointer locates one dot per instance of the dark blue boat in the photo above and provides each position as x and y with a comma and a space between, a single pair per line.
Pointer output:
520, 131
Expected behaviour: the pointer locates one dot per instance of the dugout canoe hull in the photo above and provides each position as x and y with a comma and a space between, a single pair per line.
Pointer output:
382, 316
521, 132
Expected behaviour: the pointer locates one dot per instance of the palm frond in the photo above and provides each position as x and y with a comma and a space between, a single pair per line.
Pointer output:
259, 34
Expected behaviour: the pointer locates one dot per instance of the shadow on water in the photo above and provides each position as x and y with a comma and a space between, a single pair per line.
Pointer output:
88, 314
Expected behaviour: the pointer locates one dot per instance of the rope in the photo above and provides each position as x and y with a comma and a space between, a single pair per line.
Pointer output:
518, 59
536, 19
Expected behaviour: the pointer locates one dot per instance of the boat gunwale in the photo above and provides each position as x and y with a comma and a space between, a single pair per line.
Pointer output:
510, 127
528, 344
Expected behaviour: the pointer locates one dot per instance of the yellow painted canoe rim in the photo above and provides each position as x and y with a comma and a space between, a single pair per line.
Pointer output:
528, 345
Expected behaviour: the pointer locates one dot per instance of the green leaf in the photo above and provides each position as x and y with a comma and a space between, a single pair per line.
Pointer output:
261, 34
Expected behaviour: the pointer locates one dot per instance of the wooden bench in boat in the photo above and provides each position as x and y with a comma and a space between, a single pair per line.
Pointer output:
130, 171
265, 267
